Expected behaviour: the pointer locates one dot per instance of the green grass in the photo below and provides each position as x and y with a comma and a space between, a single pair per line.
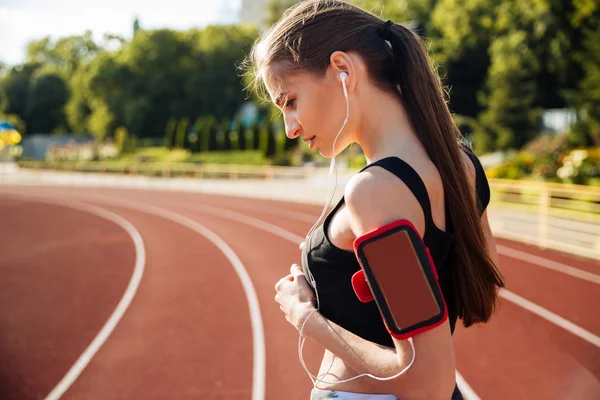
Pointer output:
165, 155
156, 154
247, 157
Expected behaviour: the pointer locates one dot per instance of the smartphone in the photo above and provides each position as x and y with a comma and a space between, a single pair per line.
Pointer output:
401, 277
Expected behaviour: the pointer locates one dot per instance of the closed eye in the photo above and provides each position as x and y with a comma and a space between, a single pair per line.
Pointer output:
290, 103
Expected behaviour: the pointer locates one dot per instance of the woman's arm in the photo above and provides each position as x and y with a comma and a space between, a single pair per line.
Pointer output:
361, 355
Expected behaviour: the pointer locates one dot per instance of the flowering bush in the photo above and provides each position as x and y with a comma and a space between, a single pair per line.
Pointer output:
580, 166
518, 166
547, 144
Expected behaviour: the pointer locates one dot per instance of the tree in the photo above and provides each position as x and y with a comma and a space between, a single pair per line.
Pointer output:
48, 94
586, 95
276, 8
102, 121
170, 133
280, 141
78, 109
460, 34
15, 90
511, 115
271, 147
210, 134
586, 132
182, 133
263, 145
121, 139
166, 74
66, 54
240, 133
140, 84
222, 50
415, 13
199, 130
505, 61
256, 130
105, 84
225, 134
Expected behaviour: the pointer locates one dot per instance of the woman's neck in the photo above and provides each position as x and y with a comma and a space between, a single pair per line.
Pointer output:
385, 128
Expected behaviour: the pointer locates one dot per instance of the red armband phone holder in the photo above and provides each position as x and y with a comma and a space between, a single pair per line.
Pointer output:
398, 273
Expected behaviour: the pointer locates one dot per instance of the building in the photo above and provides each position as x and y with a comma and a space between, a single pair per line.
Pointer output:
36, 146
557, 120
253, 12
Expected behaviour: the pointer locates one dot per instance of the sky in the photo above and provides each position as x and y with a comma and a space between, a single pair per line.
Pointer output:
25, 20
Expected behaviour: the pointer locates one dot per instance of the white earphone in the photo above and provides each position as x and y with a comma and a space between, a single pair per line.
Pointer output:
343, 77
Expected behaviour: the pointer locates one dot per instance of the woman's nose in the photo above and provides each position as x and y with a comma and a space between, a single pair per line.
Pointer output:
292, 129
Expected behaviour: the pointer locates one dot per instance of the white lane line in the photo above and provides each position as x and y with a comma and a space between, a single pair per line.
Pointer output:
553, 318
545, 263
467, 392
295, 215
254, 222
258, 336
138, 271
282, 212
272, 210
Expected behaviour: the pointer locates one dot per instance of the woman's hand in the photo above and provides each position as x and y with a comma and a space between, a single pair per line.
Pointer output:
295, 297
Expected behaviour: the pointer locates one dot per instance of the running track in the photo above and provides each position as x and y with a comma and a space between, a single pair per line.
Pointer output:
131, 294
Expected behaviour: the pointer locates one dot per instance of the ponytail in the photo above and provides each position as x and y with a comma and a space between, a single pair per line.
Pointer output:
421, 92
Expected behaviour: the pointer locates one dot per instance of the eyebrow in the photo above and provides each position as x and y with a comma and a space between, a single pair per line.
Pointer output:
279, 98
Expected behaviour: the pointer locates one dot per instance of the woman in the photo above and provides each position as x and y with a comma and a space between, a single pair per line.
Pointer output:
320, 60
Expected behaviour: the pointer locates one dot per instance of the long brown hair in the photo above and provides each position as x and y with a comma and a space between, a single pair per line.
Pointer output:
304, 39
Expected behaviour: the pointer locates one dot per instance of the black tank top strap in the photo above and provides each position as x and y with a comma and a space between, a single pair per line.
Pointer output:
411, 179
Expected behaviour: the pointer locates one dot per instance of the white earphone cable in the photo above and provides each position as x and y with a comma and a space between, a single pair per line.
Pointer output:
301, 338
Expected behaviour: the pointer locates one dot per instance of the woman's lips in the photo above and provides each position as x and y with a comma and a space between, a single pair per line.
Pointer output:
311, 142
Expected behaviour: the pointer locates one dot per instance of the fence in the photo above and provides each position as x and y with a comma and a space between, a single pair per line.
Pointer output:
561, 216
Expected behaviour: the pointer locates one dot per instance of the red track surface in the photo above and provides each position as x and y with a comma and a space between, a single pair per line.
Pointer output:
187, 333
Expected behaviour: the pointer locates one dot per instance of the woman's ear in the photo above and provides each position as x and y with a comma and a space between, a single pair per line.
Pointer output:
339, 62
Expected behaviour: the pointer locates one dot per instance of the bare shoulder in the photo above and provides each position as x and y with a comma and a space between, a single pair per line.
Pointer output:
376, 197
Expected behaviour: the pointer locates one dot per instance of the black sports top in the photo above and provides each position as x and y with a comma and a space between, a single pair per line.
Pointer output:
332, 268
